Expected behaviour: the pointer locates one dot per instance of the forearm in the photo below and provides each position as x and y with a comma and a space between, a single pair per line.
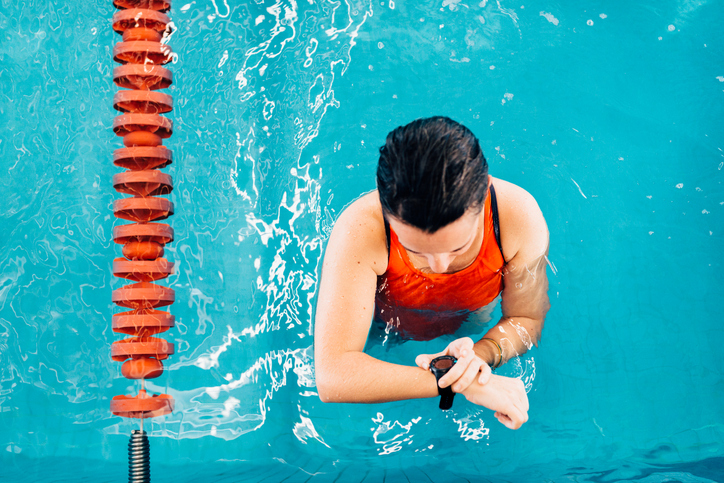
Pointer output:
355, 377
515, 336
525, 304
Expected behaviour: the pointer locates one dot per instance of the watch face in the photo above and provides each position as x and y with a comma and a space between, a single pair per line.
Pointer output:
443, 364
440, 365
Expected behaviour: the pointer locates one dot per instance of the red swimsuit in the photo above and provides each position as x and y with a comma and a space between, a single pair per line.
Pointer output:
424, 306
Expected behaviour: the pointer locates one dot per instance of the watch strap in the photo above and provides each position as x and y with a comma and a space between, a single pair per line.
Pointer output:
446, 397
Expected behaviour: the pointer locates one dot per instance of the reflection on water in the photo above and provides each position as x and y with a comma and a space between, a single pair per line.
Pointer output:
472, 426
277, 188
391, 435
608, 117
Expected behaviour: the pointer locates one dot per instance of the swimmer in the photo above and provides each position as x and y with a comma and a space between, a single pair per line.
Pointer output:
437, 241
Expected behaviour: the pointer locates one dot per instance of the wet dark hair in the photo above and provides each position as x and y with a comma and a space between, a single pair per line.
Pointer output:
431, 172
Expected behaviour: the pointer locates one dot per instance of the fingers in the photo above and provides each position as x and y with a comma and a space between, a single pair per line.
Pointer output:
424, 360
504, 420
514, 416
455, 349
513, 420
519, 417
519, 408
460, 372
458, 346
485, 373
465, 371
467, 378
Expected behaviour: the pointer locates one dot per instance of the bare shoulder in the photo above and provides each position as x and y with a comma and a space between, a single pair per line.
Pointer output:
359, 234
523, 229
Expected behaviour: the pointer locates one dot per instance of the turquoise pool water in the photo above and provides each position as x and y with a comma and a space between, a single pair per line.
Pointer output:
609, 113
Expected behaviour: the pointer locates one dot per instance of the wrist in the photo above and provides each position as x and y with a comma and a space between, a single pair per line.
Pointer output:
430, 384
487, 352
475, 389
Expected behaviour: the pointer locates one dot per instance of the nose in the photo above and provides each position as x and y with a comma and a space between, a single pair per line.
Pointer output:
439, 263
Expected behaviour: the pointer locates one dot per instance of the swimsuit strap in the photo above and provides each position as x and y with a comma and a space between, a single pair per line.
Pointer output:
496, 219
387, 235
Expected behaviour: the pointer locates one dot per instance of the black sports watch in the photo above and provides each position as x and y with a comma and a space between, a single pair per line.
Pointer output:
439, 367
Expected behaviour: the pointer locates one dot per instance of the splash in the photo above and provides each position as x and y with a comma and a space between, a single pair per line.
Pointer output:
391, 435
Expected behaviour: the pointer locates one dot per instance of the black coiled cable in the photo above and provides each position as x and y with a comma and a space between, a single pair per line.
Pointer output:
139, 461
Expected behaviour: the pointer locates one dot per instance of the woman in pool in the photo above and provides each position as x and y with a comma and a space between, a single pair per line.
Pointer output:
438, 240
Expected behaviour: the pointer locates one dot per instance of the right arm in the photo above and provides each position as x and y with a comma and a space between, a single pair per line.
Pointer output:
356, 254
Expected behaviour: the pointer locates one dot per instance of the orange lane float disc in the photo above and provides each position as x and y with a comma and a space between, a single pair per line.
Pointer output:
145, 102
142, 33
142, 52
155, 232
142, 368
143, 183
143, 157
143, 322
144, 77
127, 123
160, 5
143, 295
142, 270
142, 406
133, 18
143, 250
141, 138
142, 209
136, 347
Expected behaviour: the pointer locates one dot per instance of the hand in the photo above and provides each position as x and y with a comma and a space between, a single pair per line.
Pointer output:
468, 367
504, 395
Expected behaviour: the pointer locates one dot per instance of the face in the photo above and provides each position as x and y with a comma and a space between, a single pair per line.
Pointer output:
453, 242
